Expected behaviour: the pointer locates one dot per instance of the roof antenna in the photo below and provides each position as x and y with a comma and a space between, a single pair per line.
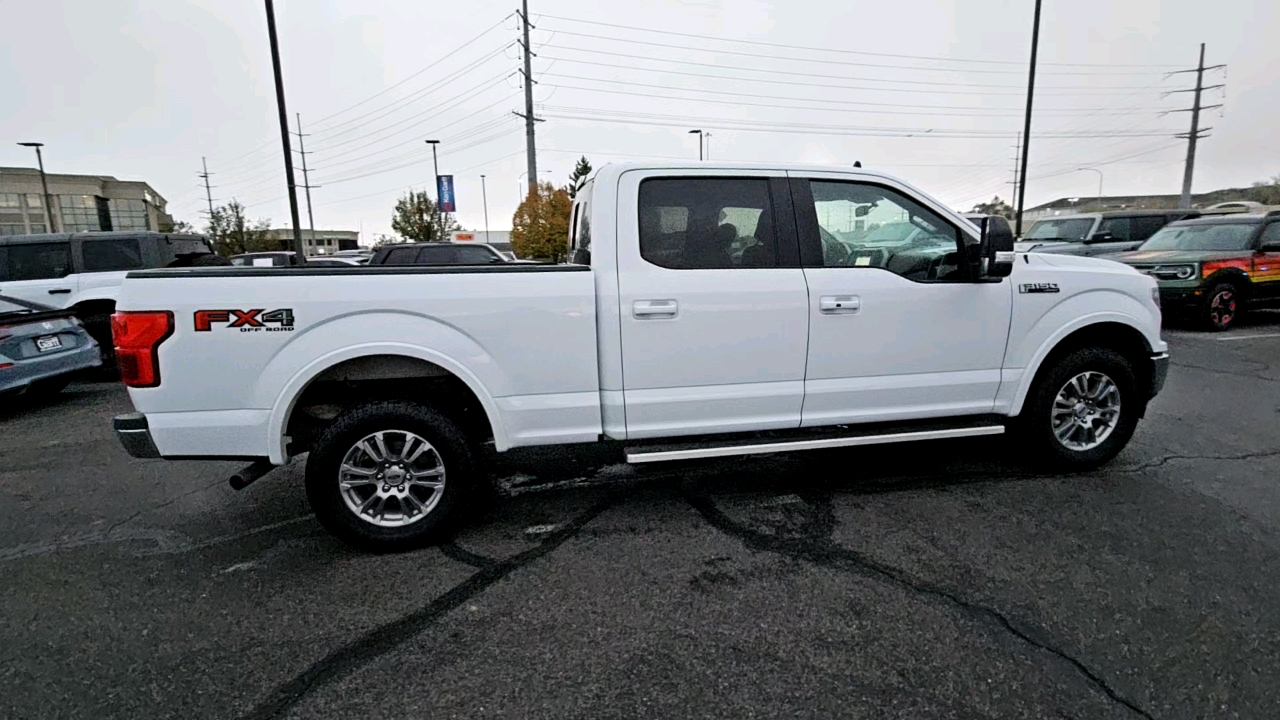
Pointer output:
857, 163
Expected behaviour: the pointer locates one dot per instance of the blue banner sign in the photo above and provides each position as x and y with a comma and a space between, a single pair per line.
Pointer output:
444, 191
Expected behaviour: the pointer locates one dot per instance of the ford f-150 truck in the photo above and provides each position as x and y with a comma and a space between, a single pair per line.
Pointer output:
706, 310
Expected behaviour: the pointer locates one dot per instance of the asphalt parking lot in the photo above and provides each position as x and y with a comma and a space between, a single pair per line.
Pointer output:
922, 581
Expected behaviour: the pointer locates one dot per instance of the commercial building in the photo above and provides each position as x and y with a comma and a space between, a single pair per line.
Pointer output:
499, 240
80, 203
323, 242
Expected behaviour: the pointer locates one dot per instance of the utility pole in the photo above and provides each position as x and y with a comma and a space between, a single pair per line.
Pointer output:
1196, 133
299, 249
48, 199
435, 170
484, 195
306, 181
208, 189
531, 151
1026, 128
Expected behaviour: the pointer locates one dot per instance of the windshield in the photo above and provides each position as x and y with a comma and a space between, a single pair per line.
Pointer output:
1233, 236
1066, 229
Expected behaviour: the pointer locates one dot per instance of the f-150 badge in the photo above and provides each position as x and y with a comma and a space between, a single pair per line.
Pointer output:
1038, 288
246, 320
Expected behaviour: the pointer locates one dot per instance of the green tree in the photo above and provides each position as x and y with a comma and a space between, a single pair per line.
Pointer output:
579, 176
995, 207
233, 233
540, 227
175, 226
1267, 191
415, 219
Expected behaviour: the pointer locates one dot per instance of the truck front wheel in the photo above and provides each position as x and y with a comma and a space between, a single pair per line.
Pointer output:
1082, 411
390, 476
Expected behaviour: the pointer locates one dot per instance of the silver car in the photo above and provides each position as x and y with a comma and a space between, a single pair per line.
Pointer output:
41, 348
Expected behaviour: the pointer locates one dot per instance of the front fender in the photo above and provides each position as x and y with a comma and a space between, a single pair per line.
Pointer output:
1031, 344
362, 334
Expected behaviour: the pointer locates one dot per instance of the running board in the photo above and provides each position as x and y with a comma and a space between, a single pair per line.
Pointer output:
693, 451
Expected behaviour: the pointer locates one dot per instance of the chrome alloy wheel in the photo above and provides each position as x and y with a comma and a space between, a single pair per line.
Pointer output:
391, 478
1086, 411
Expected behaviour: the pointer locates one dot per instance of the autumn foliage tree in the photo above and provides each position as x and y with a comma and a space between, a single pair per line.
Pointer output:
540, 227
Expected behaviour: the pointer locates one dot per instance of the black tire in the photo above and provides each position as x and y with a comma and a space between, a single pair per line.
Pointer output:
1222, 307
99, 328
1035, 427
452, 451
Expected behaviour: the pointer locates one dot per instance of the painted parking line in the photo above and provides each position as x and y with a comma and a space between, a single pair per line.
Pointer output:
1249, 337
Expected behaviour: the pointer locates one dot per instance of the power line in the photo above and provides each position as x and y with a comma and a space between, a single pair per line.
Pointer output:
951, 111
831, 50
446, 56
950, 85
824, 61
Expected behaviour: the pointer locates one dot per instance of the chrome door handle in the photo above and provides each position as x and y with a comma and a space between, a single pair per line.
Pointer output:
655, 308
839, 304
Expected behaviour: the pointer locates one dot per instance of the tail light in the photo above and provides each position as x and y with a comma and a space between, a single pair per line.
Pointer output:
137, 337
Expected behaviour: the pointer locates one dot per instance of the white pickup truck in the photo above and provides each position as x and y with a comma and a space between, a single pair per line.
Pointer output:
707, 310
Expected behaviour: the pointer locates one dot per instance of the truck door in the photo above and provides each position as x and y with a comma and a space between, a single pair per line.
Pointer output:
713, 303
897, 330
39, 272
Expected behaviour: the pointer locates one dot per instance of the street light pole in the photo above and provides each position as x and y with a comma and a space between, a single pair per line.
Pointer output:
484, 197
1099, 183
699, 134
708, 137
300, 250
435, 169
48, 200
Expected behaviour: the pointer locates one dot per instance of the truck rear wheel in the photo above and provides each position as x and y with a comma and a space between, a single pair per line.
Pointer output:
390, 476
1082, 411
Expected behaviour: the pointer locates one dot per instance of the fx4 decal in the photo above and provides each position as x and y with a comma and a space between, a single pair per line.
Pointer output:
1038, 288
246, 320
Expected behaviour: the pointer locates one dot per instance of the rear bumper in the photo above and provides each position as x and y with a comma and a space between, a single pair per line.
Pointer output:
135, 435
25, 372
1159, 371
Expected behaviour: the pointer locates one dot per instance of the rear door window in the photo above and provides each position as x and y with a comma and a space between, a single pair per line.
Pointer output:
111, 255
475, 255
401, 256
438, 255
41, 261
707, 223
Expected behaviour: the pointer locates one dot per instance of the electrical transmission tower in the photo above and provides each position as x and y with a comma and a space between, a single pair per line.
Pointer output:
1196, 131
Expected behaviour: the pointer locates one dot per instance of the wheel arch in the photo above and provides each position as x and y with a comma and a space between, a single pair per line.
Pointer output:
421, 368
1116, 332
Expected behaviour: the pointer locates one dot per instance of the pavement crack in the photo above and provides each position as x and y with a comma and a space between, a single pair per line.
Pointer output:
388, 637
822, 550
1170, 458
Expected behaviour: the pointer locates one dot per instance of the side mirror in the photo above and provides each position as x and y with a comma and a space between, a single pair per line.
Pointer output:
862, 211
995, 249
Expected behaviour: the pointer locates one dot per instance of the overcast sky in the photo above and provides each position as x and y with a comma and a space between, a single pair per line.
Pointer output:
142, 89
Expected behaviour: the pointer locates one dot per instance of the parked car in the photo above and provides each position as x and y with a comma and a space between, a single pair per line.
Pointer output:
83, 271
330, 261
395, 378
1095, 234
41, 347
278, 258
441, 253
361, 256
1214, 268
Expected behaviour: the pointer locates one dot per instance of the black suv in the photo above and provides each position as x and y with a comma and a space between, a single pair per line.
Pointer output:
1101, 233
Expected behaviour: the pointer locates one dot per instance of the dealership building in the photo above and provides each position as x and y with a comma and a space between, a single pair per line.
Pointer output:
80, 203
